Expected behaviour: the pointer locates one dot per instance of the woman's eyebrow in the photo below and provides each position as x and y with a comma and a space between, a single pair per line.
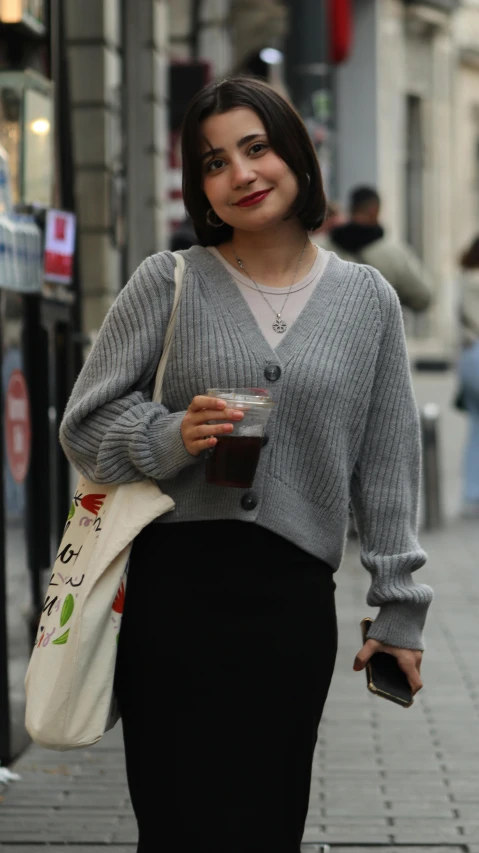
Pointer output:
212, 152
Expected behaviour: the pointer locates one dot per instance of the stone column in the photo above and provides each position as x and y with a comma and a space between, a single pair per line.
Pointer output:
441, 245
93, 31
146, 36
215, 42
211, 33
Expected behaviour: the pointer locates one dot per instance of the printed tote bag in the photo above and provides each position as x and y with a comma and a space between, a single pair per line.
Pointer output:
69, 682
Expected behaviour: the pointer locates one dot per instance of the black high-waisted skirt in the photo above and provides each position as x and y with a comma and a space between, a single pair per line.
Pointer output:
225, 658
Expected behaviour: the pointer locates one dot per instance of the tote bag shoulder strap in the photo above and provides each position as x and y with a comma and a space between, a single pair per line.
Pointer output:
179, 272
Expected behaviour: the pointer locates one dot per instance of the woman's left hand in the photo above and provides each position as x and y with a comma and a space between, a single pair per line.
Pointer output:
409, 661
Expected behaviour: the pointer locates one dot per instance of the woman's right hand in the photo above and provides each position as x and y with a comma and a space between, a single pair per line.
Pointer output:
197, 433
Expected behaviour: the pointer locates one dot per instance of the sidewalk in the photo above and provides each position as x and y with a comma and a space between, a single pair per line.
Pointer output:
382, 776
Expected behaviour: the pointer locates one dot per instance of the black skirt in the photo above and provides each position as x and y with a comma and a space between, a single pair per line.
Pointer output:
225, 658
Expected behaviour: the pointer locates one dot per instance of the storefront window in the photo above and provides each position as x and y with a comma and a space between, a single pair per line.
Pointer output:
11, 134
26, 133
36, 8
38, 149
14, 11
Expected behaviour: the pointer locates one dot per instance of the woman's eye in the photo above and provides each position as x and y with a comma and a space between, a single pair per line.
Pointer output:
258, 147
214, 165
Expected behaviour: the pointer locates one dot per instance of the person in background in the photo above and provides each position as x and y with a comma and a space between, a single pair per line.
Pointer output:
362, 239
184, 236
334, 217
469, 372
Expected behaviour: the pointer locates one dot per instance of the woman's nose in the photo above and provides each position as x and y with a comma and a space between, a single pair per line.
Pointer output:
242, 174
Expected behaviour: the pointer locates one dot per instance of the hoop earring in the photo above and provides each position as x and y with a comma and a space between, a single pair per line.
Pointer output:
218, 224
308, 177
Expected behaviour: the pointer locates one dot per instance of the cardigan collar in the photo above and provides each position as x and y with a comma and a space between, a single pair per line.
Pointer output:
227, 300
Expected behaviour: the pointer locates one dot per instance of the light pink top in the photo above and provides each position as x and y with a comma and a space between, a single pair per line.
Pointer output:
298, 297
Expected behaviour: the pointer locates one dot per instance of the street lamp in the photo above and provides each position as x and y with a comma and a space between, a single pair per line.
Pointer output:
259, 28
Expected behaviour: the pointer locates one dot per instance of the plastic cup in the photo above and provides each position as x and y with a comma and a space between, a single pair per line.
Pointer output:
234, 458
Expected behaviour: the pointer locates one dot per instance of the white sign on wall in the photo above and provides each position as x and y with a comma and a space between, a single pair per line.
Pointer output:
59, 246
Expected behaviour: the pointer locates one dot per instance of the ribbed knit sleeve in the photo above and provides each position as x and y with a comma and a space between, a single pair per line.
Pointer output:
111, 430
385, 488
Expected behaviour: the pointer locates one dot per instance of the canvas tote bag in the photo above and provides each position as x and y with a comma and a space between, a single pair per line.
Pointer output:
69, 681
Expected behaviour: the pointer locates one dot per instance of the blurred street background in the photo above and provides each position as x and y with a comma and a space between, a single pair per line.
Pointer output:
92, 94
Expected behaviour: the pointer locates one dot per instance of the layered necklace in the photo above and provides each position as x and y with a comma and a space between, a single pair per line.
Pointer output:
279, 324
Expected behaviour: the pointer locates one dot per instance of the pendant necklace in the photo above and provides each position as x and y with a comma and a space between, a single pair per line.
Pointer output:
279, 324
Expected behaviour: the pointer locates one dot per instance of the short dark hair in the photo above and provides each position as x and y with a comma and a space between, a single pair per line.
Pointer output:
470, 258
287, 135
362, 197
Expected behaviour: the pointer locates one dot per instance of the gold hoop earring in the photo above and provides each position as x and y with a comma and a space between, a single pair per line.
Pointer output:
218, 224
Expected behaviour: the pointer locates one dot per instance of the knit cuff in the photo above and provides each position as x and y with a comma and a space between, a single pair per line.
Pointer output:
167, 448
400, 624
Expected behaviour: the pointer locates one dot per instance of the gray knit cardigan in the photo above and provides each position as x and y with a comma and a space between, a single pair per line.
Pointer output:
345, 424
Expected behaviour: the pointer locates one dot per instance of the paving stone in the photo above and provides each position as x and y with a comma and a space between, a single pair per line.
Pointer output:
129, 836
312, 848
424, 810
343, 835
354, 811
467, 810
52, 836
354, 820
405, 792
440, 832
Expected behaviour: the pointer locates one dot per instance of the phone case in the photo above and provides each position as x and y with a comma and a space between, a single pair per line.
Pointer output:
384, 677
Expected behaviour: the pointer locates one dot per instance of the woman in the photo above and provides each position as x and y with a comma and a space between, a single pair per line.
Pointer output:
469, 373
229, 636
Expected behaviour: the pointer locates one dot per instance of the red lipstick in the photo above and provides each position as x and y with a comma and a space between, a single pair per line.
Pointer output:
254, 198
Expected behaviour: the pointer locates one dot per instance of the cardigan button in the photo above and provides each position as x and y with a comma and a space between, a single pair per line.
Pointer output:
249, 501
272, 372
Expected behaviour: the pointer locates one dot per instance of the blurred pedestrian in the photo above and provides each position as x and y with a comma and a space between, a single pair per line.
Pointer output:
228, 640
363, 239
184, 236
469, 371
334, 217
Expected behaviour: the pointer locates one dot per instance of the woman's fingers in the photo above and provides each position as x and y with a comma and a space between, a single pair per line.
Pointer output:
201, 401
207, 430
362, 657
203, 409
409, 661
198, 432
205, 415
411, 667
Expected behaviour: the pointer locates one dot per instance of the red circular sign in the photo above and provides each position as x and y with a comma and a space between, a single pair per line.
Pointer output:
17, 426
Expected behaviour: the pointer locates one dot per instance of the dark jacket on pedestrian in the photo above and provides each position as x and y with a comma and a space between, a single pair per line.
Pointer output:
368, 244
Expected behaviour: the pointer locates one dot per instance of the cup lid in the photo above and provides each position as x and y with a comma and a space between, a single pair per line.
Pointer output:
238, 397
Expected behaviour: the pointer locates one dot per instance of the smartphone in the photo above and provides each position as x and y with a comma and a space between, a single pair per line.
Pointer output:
384, 677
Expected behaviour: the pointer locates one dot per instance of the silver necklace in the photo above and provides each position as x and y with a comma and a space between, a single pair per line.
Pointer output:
279, 324
298, 289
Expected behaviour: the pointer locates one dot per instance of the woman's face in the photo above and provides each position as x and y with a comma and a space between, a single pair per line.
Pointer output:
246, 183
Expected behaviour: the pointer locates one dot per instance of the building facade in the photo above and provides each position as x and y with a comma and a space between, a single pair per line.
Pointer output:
395, 130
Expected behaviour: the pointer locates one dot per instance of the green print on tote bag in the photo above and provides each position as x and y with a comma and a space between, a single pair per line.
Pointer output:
69, 682
67, 611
